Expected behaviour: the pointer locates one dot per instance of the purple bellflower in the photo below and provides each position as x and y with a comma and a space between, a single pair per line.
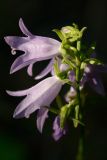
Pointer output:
35, 48
38, 97
92, 76
58, 132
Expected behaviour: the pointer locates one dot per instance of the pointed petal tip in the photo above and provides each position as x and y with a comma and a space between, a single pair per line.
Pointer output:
14, 115
17, 115
10, 41
11, 93
40, 130
20, 21
11, 71
6, 39
8, 92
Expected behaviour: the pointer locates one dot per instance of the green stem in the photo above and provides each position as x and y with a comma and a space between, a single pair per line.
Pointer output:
80, 151
81, 145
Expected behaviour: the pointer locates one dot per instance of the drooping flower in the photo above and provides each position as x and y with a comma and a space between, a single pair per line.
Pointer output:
37, 97
58, 131
92, 76
35, 48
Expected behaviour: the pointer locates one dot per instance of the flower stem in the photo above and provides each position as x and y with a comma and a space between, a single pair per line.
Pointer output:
81, 145
80, 151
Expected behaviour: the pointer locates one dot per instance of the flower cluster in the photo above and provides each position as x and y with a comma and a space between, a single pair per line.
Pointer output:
70, 63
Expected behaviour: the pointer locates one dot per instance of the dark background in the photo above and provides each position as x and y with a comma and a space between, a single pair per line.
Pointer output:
19, 139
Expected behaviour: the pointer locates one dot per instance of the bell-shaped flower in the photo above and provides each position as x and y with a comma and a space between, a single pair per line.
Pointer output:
58, 131
37, 97
92, 76
35, 48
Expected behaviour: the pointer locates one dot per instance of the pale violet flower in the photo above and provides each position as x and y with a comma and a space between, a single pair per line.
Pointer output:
35, 48
58, 131
38, 97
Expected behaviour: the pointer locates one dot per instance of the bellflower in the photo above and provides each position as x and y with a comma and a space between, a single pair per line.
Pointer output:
58, 131
35, 48
37, 97
92, 76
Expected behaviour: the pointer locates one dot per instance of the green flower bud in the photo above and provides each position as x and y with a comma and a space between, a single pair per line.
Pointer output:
63, 115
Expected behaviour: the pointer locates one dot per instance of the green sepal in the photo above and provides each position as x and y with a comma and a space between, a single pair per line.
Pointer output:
93, 61
91, 50
63, 115
70, 63
59, 101
59, 33
75, 25
62, 75
67, 50
82, 31
56, 67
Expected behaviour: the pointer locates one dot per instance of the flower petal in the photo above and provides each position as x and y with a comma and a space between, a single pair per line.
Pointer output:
46, 70
72, 76
96, 84
39, 95
48, 90
30, 69
23, 28
100, 68
19, 93
42, 115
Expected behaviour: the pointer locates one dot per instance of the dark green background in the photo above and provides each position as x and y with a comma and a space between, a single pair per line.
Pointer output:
19, 139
